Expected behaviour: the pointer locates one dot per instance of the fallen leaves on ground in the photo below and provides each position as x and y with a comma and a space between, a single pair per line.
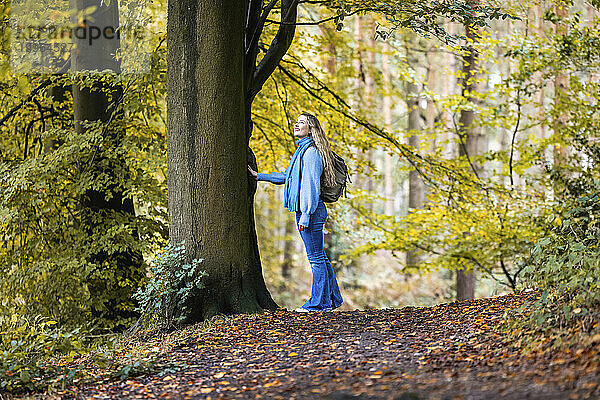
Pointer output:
450, 351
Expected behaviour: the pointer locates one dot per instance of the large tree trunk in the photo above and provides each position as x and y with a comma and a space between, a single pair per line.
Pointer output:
101, 103
209, 203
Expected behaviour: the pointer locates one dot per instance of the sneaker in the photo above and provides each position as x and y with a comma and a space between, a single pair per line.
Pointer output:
300, 309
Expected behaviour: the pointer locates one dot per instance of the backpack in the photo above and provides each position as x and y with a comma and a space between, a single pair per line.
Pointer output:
330, 194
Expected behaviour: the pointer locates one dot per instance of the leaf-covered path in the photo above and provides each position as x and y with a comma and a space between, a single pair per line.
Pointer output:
444, 352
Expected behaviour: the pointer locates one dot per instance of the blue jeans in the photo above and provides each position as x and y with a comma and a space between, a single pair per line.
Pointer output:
325, 293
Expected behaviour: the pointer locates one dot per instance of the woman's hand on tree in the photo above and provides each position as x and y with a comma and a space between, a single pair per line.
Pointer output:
252, 172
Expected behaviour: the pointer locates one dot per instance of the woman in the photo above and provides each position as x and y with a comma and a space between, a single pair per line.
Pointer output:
311, 162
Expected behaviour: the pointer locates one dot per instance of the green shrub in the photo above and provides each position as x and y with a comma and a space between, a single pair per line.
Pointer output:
565, 267
172, 281
26, 346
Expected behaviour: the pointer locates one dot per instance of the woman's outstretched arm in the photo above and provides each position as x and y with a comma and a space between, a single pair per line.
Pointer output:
277, 178
310, 184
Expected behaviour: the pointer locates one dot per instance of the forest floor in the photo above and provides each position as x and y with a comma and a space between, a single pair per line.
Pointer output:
449, 351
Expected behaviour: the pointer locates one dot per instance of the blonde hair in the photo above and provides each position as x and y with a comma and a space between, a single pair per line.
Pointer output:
322, 144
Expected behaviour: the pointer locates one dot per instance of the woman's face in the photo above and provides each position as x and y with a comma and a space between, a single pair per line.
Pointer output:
301, 127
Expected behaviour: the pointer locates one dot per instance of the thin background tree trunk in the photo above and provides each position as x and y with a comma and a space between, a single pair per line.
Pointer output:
369, 82
414, 127
470, 142
101, 103
387, 116
359, 87
561, 85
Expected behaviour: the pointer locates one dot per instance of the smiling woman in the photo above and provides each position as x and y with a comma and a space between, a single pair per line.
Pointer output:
311, 162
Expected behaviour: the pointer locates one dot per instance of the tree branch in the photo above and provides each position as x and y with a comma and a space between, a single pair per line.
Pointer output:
404, 150
463, 257
507, 274
278, 47
34, 92
321, 20
512, 142
256, 26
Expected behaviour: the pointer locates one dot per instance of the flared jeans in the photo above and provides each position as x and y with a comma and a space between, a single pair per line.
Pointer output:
325, 292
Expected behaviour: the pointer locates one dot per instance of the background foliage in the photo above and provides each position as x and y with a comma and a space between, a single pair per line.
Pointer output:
514, 212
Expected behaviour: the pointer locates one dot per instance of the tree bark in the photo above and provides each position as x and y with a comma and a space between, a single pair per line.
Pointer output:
206, 153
